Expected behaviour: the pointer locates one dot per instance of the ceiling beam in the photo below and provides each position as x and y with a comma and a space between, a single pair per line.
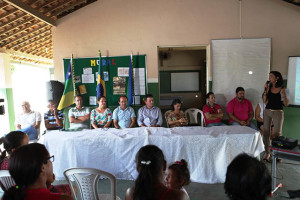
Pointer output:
9, 13
17, 25
69, 7
31, 11
13, 20
22, 36
30, 38
38, 39
57, 6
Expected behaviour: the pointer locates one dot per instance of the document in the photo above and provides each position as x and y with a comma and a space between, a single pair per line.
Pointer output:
93, 100
139, 81
88, 78
123, 71
88, 70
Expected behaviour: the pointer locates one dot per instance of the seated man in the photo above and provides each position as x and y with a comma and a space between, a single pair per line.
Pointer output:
149, 115
212, 111
247, 179
240, 110
123, 116
79, 116
29, 121
53, 118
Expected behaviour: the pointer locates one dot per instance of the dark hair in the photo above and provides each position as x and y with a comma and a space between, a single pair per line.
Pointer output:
25, 166
78, 95
11, 141
208, 94
148, 96
99, 98
149, 161
239, 89
175, 101
182, 171
278, 75
124, 96
247, 179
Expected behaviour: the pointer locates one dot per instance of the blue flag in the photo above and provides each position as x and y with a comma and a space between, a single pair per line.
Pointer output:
101, 90
130, 84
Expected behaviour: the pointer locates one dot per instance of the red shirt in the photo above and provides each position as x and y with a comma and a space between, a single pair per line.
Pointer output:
239, 109
211, 110
42, 193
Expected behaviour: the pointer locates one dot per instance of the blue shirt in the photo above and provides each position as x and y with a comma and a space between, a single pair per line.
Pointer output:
123, 116
49, 116
149, 117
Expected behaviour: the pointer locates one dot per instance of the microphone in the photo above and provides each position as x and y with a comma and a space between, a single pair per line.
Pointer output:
268, 83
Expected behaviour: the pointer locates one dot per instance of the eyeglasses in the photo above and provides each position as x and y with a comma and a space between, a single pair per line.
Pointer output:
51, 158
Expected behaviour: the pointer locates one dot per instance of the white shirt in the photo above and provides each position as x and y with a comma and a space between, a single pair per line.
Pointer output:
27, 119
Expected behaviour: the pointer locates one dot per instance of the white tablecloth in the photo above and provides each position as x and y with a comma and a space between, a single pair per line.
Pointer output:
208, 151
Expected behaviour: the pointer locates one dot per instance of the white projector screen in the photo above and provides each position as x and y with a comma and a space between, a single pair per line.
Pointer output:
184, 81
293, 81
240, 62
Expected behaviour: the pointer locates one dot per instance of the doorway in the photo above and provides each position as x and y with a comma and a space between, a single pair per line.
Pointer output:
182, 75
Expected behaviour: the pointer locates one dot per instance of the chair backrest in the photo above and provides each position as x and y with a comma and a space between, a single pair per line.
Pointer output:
86, 180
6, 180
193, 114
166, 117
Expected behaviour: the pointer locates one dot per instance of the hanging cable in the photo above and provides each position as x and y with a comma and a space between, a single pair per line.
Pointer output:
241, 19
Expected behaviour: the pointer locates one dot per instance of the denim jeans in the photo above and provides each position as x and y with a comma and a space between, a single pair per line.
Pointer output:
216, 124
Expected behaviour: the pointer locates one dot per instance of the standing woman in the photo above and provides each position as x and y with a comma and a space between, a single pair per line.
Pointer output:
101, 116
176, 117
274, 98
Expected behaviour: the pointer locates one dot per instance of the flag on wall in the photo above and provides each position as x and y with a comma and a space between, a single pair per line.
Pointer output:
130, 80
101, 90
67, 98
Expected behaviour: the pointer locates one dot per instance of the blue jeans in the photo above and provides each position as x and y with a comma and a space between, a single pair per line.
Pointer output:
216, 124
252, 125
31, 132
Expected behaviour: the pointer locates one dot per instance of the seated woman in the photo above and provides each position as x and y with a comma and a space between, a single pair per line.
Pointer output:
247, 179
31, 167
101, 116
14, 140
176, 117
151, 164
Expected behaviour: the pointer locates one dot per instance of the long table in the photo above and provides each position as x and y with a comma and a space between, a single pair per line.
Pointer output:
208, 151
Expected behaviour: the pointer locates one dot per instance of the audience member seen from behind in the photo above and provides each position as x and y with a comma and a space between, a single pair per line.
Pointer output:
149, 185
212, 112
53, 118
16, 139
176, 117
101, 116
79, 115
178, 175
29, 121
275, 98
123, 115
11, 142
247, 179
31, 168
149, 115
240, 110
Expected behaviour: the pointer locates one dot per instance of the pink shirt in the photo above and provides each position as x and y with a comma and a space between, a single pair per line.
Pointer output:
211, 110
239, 109
42, 193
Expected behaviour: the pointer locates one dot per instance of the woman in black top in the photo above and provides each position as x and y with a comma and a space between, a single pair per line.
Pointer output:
274, 98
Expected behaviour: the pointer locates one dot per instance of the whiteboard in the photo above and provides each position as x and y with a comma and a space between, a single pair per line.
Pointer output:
240, 62
184, 81
293, 81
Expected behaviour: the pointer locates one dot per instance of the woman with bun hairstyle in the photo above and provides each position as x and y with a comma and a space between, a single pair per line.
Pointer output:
149, 185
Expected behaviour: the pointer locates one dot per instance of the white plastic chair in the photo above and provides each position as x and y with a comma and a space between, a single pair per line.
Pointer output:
6, 179
193, 113
166, 117
86, 180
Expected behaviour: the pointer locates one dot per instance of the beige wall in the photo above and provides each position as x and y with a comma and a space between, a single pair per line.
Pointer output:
119, 27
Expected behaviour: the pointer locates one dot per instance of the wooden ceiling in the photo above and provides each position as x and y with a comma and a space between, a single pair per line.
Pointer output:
25, 25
